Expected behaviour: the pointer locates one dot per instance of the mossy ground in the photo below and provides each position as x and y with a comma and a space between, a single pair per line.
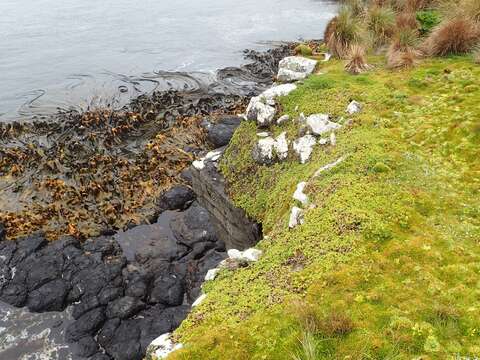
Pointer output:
387, 265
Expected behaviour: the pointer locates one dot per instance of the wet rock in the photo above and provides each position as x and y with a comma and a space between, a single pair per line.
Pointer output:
14, 294
137, 289
3, 232
232, 225
85, 347
84, 306
168, 290
220, 133
87, 324
124, 343
178, 197
100, 356
294, 68
48, 297
108, 294
124, 307
27, 246
304, 147
320, 124
193, 226
186, 175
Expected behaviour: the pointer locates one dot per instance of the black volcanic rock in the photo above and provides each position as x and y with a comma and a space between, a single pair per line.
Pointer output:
220, 133
177, 198
48, 297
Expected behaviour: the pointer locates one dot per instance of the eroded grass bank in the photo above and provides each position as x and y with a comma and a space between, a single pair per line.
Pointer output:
386, 265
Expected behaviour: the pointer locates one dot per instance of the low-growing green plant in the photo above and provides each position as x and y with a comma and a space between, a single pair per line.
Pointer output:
428, 19
303, 50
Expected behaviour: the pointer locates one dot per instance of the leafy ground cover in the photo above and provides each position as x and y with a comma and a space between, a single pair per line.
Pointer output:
387, 263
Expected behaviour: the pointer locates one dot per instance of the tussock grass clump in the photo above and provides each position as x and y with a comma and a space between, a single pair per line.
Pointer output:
380, 22
406, 20
457, 35
308, 348
357, 61
342, 32
402, 52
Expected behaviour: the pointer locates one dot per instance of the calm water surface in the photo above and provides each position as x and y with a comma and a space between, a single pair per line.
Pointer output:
70, 53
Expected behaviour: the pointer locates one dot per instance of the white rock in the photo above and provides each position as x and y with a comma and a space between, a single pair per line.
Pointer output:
263, 134
320, 124
213, 155
299, 195
304, 147
211, 274
295, 68
235, 254
199, 300
329, 166
163, 346
249, 255
198, 164
279, 90
333, 139
252, 255
268, 150
323, 141
354, 107
296, 108
281, 146
296, 217
328, 56
263, 151
301, 118
258, 110
283, 119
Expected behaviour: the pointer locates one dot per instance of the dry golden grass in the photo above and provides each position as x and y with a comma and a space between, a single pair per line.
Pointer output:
457, 35
401, 59
336, 324
357, 62
406, 20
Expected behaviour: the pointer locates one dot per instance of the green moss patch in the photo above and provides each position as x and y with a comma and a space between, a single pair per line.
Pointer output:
387, 262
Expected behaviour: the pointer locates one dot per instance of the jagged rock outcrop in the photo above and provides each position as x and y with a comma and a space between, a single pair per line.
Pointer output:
232, 224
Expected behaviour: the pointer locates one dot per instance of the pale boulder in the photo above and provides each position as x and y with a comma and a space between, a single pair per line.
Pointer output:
294, 68
296, 217
304, 147
320, 124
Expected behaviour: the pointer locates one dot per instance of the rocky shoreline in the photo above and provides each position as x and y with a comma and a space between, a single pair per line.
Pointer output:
125, 289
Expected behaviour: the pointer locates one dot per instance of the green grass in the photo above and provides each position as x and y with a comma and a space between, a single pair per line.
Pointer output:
388, 261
